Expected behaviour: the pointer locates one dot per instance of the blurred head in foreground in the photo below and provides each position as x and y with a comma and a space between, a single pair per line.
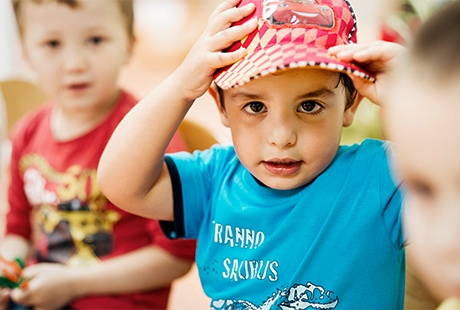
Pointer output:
423, 119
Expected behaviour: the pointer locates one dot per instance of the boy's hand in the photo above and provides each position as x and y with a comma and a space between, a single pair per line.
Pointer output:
195, 74
378, 58
49, 287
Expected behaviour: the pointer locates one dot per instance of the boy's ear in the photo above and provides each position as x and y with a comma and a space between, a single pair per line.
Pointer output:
349, 114
215, 95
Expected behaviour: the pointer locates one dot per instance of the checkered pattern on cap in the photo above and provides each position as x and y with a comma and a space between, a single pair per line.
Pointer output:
274, 47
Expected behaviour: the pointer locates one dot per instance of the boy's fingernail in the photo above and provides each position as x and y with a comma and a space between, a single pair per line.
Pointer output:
249, 6
241, 52
252, 22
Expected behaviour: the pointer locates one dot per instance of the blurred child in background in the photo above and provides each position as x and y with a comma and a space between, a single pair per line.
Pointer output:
84, 251
422, 109
423, 119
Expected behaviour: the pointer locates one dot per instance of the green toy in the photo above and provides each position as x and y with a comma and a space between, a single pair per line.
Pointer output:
12, 271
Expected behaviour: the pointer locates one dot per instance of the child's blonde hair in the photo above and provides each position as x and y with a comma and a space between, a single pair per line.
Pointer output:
126, 7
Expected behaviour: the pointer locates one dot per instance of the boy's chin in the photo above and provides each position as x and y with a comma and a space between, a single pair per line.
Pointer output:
283, 183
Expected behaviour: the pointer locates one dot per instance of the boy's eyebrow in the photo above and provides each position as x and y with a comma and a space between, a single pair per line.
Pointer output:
321, 92
241, 95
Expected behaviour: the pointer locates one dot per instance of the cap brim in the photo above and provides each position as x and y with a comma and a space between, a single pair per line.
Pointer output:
278, 57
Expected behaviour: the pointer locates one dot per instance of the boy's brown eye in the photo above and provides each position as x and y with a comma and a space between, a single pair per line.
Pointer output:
254, 107
53, 43
310, 107
96, 40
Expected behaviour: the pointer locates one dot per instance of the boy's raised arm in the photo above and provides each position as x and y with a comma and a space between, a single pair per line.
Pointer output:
131, 172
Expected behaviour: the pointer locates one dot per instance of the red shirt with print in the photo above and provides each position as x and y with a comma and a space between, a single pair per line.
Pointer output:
55, 201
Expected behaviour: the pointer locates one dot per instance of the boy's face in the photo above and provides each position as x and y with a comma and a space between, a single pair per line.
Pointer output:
76, 53
423, 121
286, 126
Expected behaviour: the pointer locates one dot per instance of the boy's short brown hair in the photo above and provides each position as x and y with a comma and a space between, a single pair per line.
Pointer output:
437, 44
126, 7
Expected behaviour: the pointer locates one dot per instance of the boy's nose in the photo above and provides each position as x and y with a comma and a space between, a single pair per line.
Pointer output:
282, 132
75, 60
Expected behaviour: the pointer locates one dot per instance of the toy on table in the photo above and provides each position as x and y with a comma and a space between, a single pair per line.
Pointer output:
12, 273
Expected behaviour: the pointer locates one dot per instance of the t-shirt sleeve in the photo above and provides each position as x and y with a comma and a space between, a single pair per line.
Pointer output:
182, 248
189, 195
192, 179
174, 229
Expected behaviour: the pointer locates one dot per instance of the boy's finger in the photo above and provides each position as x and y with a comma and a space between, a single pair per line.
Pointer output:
226, 59
225, 5
225, 19
20, 296
346, 47
347, 52
376, 51
379, 52
227, 37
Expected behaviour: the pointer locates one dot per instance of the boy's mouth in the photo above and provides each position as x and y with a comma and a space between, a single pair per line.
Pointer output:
282, 167
78, 86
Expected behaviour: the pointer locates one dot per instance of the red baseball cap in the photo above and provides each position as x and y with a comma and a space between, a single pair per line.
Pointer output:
293, 34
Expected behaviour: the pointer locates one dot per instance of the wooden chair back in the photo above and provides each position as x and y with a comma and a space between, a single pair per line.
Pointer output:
196, 136
19, 97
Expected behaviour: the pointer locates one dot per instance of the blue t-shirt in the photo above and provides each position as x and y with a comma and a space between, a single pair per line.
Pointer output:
335, 243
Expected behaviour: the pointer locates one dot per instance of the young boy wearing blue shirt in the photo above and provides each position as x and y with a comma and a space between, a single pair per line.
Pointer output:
285, 217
